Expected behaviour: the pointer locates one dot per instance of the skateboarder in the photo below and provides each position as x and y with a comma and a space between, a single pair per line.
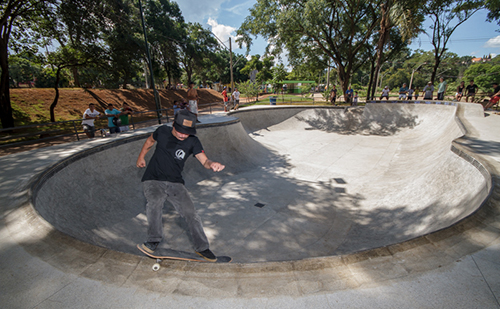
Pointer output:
163, 180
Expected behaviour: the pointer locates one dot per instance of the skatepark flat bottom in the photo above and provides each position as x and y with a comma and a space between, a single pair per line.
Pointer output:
326, 181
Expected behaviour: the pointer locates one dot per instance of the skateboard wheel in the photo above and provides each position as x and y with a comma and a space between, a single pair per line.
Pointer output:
156, 266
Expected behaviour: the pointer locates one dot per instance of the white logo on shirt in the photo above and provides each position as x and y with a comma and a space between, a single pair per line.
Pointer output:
180, 154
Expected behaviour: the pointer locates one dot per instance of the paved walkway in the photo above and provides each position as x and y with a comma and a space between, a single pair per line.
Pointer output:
43, 268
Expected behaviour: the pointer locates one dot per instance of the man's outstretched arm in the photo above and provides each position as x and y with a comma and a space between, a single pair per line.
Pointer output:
209, 164
141, 162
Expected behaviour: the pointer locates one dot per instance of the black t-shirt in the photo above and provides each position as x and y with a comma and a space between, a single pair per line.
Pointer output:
471, 88
170, 155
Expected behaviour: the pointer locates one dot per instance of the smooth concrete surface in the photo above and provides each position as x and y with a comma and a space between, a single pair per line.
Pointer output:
373, 194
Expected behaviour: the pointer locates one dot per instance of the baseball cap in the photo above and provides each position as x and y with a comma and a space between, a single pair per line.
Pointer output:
185, 122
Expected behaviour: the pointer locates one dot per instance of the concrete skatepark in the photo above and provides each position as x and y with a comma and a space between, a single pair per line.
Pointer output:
391, 197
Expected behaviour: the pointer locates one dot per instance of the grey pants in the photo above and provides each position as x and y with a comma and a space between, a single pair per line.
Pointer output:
156, 193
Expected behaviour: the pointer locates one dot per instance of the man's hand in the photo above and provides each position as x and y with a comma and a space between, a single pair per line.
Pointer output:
140, 163
216, 166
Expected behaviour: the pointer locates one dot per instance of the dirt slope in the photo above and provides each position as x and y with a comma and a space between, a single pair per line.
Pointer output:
32, 105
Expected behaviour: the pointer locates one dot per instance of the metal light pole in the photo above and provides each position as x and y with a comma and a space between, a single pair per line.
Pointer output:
231, 64
152, 86
413, 71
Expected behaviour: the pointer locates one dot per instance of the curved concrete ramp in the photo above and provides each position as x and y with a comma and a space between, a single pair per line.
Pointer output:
300, 182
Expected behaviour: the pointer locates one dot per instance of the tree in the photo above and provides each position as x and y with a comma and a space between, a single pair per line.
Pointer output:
447, 16
15, 18
197, 44
403, 15
322, 29
279, 75
66, 57
484, 74
165, 20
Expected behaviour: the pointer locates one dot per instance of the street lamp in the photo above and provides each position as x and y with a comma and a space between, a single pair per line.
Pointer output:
413, 71
155, 93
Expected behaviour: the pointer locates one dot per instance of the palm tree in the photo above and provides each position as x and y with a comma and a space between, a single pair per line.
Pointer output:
404, 15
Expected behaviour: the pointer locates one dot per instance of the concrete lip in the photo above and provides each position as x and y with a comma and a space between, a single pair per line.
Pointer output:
331, 184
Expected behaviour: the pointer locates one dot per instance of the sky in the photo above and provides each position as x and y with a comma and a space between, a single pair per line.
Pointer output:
475, 37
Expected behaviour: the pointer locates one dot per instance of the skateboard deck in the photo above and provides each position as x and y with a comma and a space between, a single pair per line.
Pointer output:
171, 254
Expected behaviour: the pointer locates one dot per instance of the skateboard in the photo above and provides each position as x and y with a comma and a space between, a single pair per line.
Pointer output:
161, 254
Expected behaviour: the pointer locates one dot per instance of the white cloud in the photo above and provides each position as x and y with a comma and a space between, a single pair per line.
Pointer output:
223, 32
493, 42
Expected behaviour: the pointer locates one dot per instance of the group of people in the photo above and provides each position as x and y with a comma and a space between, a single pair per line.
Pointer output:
118, 120
235, 99
469, 91
351, 96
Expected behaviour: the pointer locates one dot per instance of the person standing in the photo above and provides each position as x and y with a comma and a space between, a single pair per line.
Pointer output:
162, 180
471, 91
113, 119
428, 91
88, 120
224, 96
348, 95
125, 112
236, 98
442, 88
417, 92
192, 96
333, 95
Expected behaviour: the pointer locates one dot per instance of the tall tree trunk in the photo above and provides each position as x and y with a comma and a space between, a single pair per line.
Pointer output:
384, 31
56, 99
76, 77
5, 106
369, 95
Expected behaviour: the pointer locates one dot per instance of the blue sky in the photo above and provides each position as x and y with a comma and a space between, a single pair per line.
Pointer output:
475, 37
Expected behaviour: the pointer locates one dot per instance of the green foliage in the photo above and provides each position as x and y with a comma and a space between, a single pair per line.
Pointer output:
484, 74
248, 89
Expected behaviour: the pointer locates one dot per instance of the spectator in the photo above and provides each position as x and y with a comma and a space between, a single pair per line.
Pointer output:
113, 119
494, 96
471, 91
125, 112
348, 95
428, 91
226, 101
333, 95
442, 89
403, 91
410, 93
355, 99
236, 98
385, 93
88, 120
192, 96
176, 107
460, 91
417, 92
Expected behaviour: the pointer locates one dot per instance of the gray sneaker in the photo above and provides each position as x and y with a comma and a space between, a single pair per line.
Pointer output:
149, 247
208, 255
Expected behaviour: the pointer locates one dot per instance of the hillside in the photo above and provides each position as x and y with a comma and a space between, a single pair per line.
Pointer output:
31, 105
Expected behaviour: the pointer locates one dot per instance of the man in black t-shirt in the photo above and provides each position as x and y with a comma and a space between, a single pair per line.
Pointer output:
471, 91
163, 180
